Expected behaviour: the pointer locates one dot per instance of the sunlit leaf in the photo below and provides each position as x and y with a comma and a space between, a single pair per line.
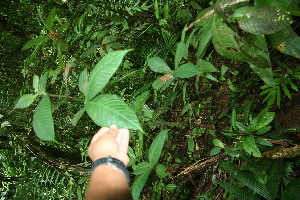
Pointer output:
35, 41
156, 147
42, 120
262, 120
83, 81
186, 70
106, 110
77, 116
103, 71
250, 146
35, 83
138, 184
25, 101
157, 64
43, 82
50, 19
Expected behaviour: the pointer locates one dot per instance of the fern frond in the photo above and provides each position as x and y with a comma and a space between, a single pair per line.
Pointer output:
170, 40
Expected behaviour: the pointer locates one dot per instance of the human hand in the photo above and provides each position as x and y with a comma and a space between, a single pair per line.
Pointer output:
110, 142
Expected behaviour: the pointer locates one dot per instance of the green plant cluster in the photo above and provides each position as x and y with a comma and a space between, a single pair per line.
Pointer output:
200, 84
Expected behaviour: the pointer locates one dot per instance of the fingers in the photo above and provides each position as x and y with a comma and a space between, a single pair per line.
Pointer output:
113, 130
99, 133
123, 140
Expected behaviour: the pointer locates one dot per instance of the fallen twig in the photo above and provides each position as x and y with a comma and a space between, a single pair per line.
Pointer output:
212, 11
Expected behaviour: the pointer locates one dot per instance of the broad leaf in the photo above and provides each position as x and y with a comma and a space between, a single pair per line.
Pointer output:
42, 120
83, 81
63, 27
50, 19
250, 146
25, 101
141, 168
225, 40
204, 38
263, 20
103, 71
157, 64
106, 110
138, 184
35, 41
156, 147
205, 66
77, 116
186, 71
286, 41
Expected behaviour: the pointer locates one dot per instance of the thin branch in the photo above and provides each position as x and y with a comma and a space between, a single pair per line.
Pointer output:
212, 12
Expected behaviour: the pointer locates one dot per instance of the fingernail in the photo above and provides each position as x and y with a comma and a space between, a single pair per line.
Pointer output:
113, 126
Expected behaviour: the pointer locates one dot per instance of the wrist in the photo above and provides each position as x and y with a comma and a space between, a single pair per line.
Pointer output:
113, 163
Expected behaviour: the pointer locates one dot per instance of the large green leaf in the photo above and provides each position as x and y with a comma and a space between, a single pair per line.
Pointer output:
250, 146
35, 41
186, 71
226, 41
204, 38
157, 64
103, 71
263, 20
106, 110
25, 101
156, 147
205, 66
50, 19
286, 41
248, 179
42, 120
139, 184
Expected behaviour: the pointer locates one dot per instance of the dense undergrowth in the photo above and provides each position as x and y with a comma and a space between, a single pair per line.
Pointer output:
208, 89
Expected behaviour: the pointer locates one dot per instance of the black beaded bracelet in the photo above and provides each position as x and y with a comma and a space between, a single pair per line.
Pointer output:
111, 161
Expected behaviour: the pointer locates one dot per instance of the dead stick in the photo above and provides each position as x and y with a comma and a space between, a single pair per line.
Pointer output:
212, 11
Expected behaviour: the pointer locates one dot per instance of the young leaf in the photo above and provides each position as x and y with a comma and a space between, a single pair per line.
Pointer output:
157, 64
35, 84
43, 82
161, 171
250, 146
139, 184
35, 41
106, 110
42, 120
186, 71
83, 81
77, 116
25, 101
218, 143
179, 53
156, 147
141, 168
50, 19
205, 66
215, 151
103, 71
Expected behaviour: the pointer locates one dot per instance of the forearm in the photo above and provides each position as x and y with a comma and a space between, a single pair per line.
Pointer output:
108, 182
